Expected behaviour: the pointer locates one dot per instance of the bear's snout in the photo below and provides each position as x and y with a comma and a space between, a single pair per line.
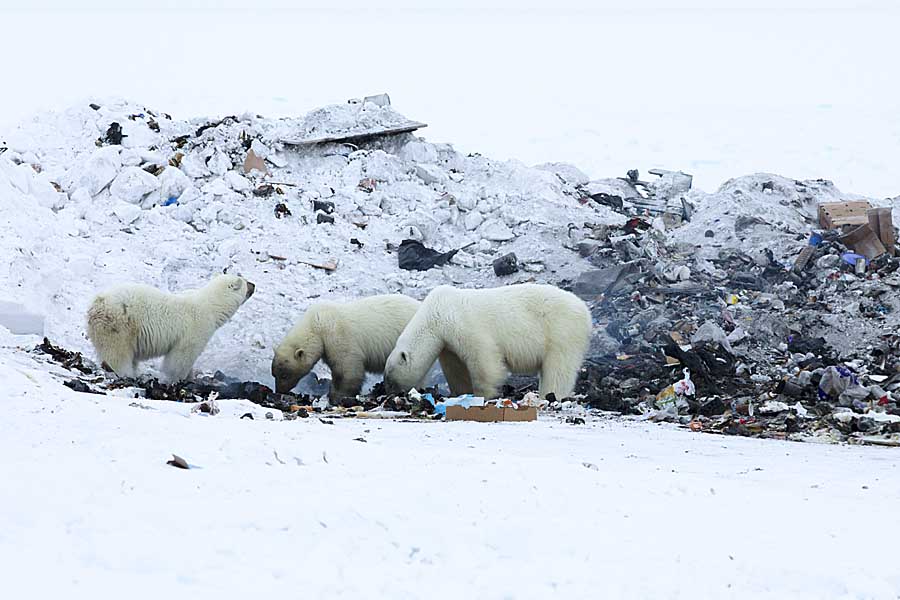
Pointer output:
250, 289
391, 386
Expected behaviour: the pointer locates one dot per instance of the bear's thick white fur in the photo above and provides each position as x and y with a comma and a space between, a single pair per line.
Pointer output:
132, 322
524, 329
353, 338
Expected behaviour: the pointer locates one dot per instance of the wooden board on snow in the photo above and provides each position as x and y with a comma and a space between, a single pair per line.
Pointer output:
356, 136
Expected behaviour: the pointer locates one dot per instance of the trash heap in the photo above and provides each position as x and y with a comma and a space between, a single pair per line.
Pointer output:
767, 307
340, 203
784, 321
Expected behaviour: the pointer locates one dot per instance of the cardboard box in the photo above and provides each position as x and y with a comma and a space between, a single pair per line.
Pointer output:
881, 222
491, 414
863, 240
833, 215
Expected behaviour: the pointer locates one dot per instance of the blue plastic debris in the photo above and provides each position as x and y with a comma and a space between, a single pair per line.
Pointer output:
815, 238
466, 400
171, 201
851, 257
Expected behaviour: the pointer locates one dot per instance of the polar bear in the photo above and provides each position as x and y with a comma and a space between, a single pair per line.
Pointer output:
525, 329
132, 322
353, 338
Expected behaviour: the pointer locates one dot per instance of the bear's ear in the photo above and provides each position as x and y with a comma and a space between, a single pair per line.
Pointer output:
298, 353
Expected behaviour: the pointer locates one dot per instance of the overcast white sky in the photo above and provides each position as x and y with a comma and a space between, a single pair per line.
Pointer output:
555, 6
792, 87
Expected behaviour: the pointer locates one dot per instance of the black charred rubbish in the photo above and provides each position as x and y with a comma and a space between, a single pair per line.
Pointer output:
414, 256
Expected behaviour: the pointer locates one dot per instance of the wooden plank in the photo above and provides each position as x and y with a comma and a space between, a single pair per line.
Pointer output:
356, 136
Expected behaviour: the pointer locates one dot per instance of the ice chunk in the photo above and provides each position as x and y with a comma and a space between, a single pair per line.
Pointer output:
19, 320
133, 184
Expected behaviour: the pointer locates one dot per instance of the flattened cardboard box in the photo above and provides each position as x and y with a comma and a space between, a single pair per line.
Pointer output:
490, 414
833, 215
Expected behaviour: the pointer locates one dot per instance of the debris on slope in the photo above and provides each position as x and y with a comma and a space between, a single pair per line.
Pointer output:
173, 202
782, 319
721, 294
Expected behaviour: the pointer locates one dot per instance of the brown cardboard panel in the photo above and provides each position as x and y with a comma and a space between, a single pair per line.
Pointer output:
837, 214
252, 161
528, 413
864, 241
490, 414
886, 229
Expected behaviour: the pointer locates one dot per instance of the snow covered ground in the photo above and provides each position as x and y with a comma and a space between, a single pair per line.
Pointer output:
613, 508
423, 509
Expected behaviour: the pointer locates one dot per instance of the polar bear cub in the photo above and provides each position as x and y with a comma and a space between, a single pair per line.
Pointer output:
130, 323
353, 338
525, 329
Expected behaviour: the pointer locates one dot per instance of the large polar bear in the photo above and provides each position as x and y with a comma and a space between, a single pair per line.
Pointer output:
353, 338
523, 329
130, 323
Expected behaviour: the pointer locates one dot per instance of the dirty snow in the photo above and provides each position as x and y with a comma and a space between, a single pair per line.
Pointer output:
129, 214
422, 509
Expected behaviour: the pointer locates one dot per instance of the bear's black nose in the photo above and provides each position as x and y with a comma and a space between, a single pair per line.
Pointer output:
250, 289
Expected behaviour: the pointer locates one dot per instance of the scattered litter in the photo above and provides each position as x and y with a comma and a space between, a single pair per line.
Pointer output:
264, 191
254, 163
324, 206
79, 386
208, 406
414, 256
179, 462
281, 210
671, 394
113, 135
327, 265
68, 359
367, 185
506, 265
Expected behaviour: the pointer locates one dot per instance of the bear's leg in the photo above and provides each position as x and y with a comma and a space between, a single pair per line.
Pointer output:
456, 373
347, 378
178, 362
558, 375
488, 374
123, 364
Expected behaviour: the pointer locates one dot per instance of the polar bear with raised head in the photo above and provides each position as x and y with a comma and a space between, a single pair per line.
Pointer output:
524, 329
132, 322
353, 338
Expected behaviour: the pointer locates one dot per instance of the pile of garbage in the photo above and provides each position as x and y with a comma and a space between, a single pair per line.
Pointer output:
782, 322
343, 202
767, 307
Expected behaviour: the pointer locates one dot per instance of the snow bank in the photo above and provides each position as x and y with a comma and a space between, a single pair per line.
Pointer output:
172, 205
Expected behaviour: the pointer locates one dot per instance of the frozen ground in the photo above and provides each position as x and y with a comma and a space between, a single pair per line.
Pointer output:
424, 509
